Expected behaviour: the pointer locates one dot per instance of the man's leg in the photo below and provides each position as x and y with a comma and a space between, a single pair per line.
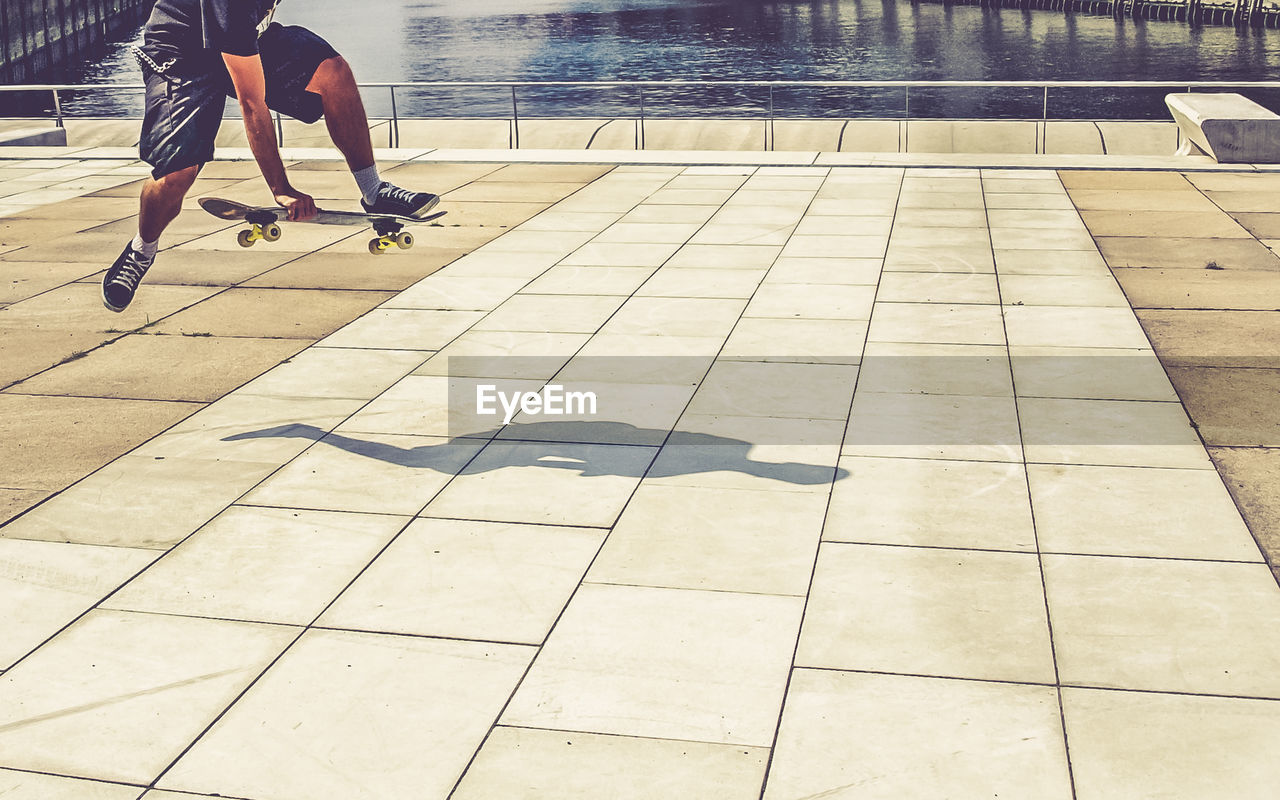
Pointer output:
178, 130
344, 113
308, 79
162, 201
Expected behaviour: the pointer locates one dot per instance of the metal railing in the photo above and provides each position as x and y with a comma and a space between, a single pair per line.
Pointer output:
769, 109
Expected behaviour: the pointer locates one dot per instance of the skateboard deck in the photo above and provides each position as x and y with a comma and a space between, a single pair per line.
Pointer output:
264, 222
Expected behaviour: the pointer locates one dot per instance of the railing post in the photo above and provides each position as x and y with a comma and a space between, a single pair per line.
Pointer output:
640, 127
515, 121
279, 130
1044, 122
393, 136
769, 136
57, 108
906, 119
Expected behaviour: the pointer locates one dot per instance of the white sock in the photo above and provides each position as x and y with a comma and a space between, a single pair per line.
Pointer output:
145, 249
369, 182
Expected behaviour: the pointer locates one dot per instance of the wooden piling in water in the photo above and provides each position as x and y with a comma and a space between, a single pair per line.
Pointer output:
37, 36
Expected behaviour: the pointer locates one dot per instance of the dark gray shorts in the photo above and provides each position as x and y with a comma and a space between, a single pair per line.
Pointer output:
184, 112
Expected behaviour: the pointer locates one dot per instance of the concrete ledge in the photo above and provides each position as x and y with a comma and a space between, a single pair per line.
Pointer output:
1229, 127
34, 137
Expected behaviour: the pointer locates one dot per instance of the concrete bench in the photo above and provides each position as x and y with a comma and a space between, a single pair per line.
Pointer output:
1230, 128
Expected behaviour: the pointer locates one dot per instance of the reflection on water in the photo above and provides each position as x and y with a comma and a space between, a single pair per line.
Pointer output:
394, 40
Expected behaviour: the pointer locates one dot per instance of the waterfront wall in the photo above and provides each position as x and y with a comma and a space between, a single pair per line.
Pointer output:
1255, 13
38, 36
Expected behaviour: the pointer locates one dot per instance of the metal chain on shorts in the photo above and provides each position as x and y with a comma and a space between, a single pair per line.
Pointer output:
147, 62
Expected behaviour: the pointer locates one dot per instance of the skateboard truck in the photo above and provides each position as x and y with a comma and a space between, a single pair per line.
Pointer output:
390, 233
262, 226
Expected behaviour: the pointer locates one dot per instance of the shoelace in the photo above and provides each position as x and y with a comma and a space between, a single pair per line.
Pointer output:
398, 194
131, 271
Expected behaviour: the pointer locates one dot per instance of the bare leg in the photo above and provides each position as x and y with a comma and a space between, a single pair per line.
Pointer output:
162, 200
344, 111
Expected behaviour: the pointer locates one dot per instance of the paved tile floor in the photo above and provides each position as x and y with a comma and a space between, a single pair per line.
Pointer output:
906, 507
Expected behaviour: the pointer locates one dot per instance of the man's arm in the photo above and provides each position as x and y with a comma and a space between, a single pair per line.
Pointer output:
251, 88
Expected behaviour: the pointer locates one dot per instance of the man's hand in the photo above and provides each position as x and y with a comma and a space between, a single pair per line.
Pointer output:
300, 205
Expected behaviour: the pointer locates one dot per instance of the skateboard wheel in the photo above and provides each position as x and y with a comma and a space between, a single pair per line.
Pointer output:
245, 238
271, 233
404, 240
376, 246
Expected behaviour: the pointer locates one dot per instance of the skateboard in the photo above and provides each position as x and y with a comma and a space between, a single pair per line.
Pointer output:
264, 223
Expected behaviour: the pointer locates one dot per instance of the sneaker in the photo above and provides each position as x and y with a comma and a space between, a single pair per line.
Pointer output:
121, 281
394, 201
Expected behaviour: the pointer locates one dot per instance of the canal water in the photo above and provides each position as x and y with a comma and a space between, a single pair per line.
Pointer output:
535, 40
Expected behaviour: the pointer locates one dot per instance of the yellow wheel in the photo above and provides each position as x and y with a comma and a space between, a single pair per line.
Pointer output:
404, 240
376, 246
272, 233
245, 238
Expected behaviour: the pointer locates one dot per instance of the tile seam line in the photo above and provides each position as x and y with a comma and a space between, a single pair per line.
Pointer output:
1070, 685
657, 451
791, 671
613, 735
1065, 553
1031, 508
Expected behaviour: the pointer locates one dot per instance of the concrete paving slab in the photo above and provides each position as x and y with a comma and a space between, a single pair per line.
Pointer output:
107, 667
951, 427
893, 735
77, 308
1123, 511
1114, 179
1136, 623
430, 695
257, 313
1092, 373
490, 581
20, 280
1208, 747
1209, 338
1200, 289
1187, 253
938, 323
1263, 225
1155, 224
913, 502
48, 585
541, 765
209, 267
1189, 200
150, 367
927, 611
927, 368
1232, 407
260, 565
15, 501
26, 352
1252, 475
331, 269
724, 540
39, 454
662, 680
